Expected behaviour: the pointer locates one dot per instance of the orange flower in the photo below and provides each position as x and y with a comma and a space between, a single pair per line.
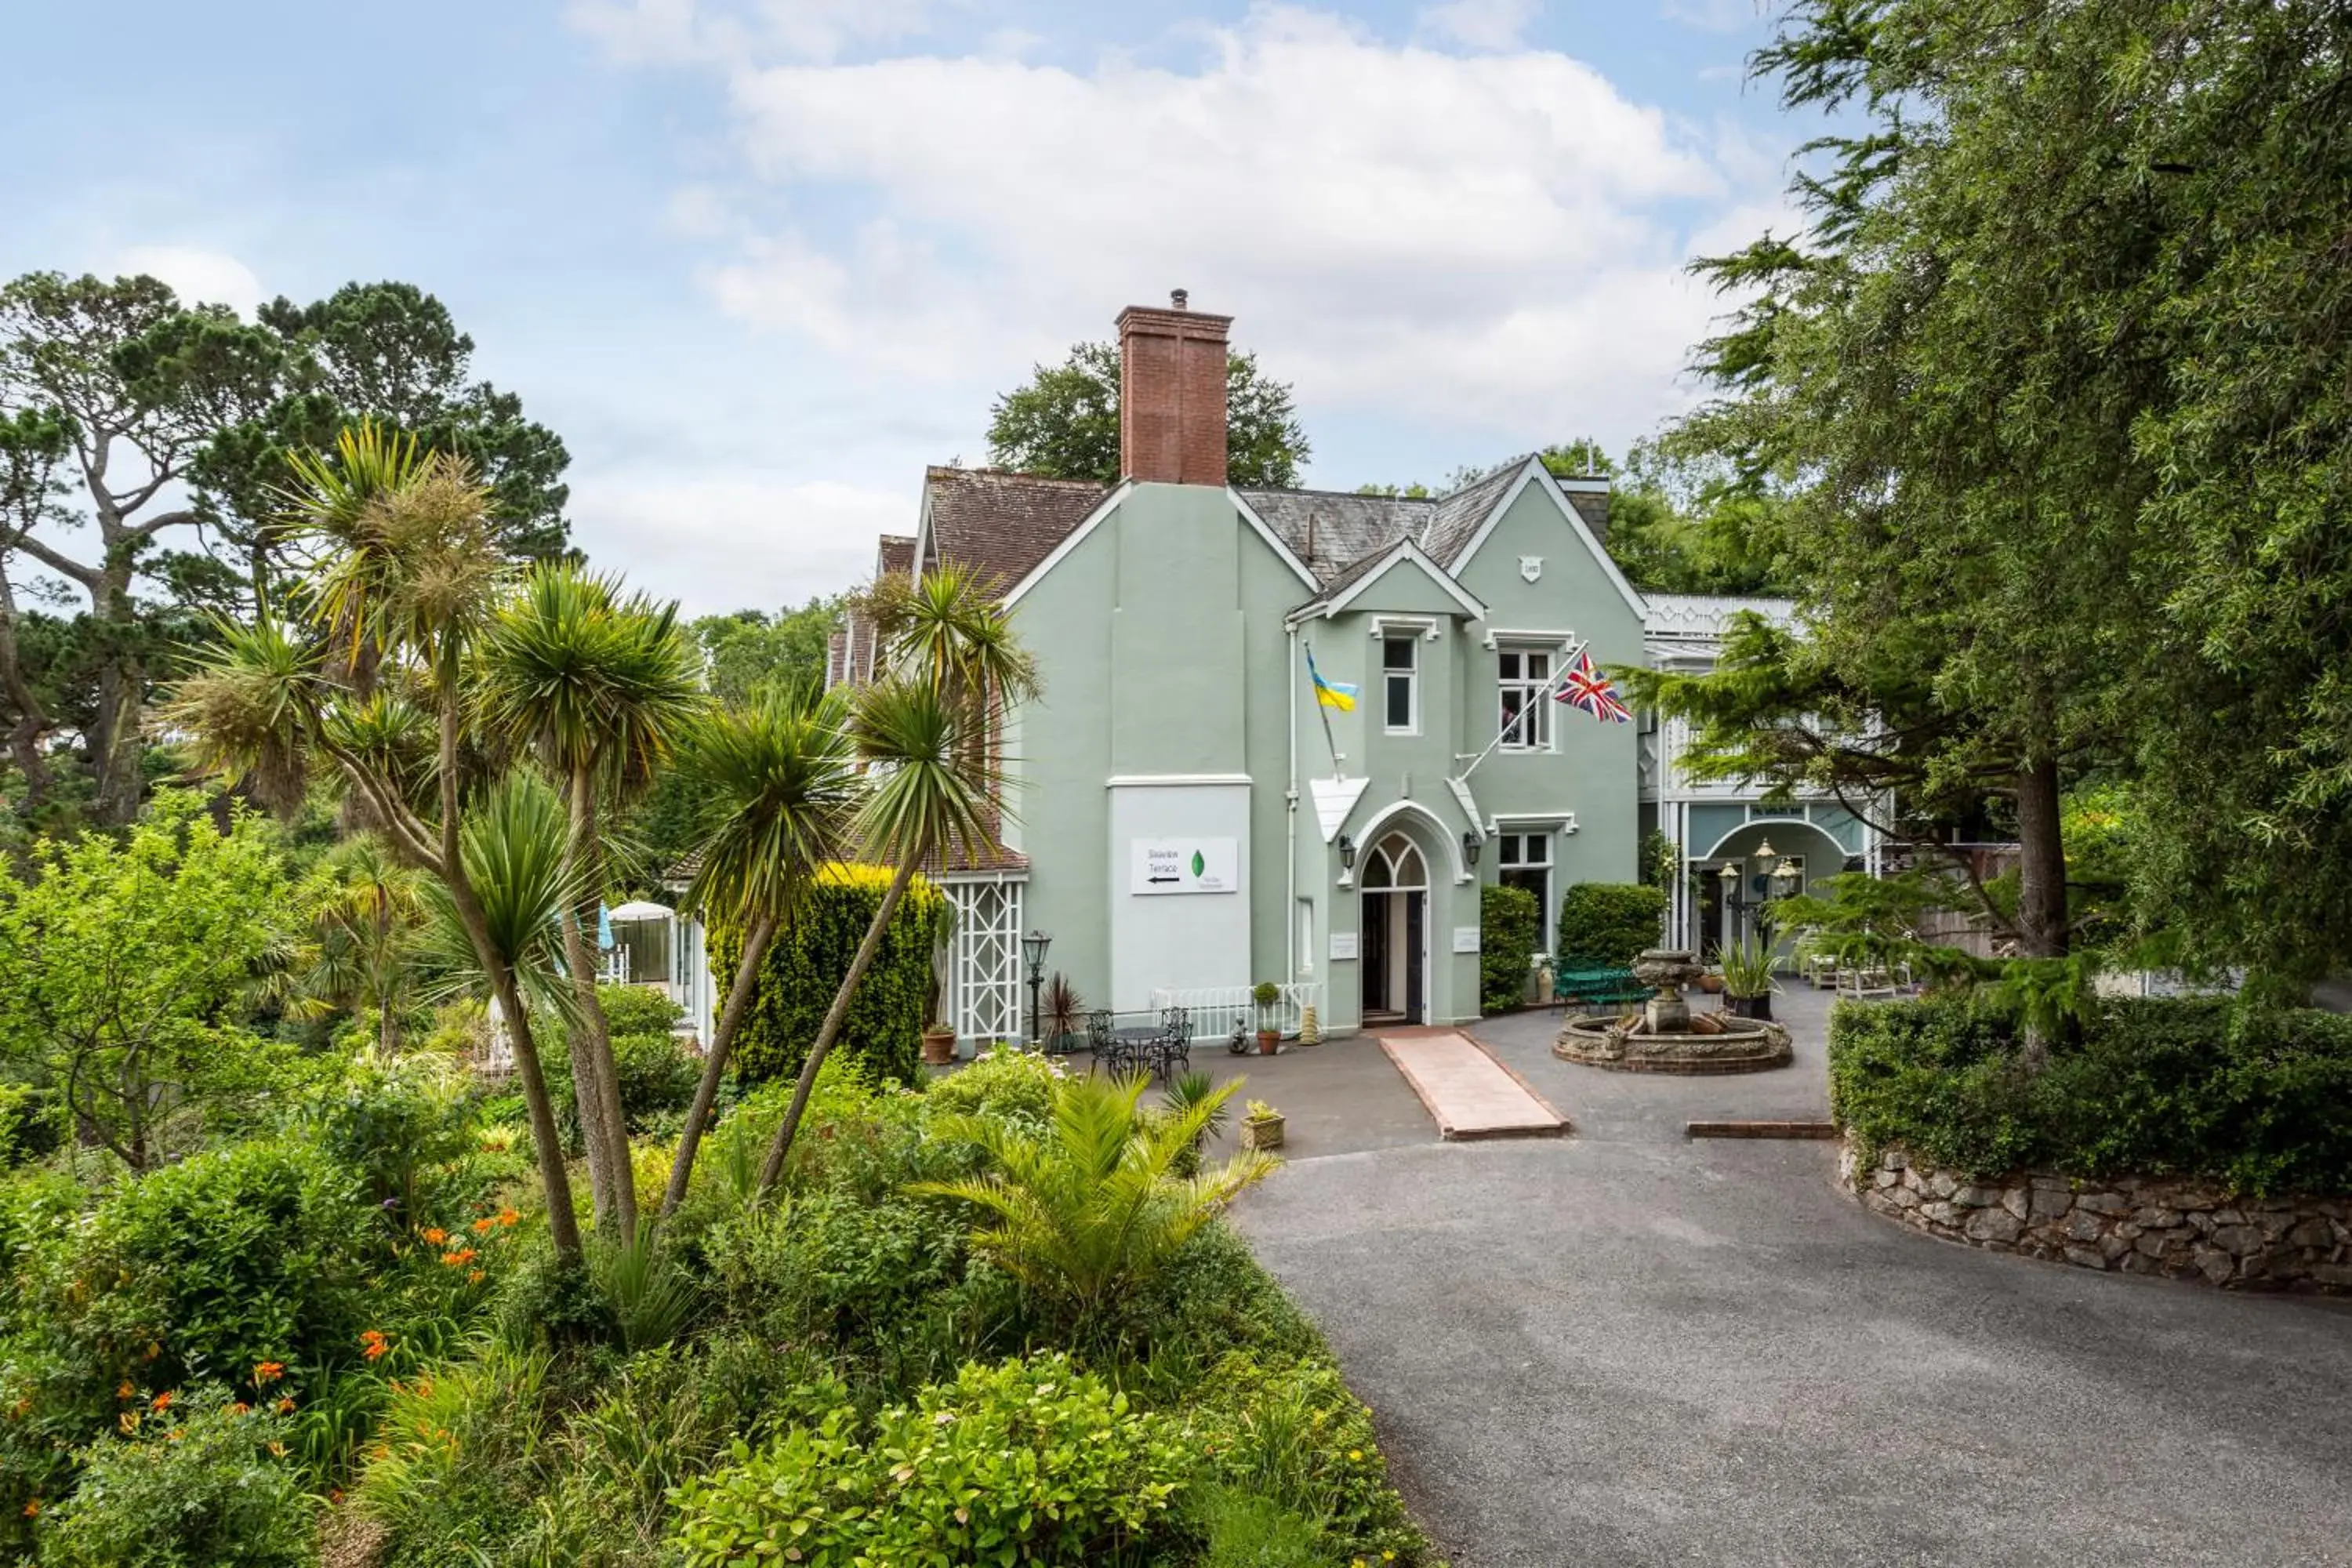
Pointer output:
434, 1234
126, 1391
240, 1408
508, 1218
33, 1508
482, 1225
268, 1371
374, 1344
458, 1259
473, 1278
162, 1400
286, 1407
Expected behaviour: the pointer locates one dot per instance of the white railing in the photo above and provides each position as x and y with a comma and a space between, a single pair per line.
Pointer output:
1218, 1010
615, 970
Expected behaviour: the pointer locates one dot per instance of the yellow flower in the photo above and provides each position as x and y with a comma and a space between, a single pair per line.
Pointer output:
1355, 1453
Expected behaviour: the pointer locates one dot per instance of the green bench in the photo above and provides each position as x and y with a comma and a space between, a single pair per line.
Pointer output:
1596, 986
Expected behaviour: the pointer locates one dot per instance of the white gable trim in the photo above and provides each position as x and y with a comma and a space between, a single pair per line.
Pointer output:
1273, 540
1535, 474
1070, 541
1403, 551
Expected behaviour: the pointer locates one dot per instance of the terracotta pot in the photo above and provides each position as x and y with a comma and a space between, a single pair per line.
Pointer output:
1268, 1042
939, 1048
1710, 983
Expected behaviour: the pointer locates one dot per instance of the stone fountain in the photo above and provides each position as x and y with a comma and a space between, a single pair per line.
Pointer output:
1665, 1037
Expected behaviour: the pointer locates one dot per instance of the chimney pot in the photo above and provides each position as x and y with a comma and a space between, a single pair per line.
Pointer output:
1171, 394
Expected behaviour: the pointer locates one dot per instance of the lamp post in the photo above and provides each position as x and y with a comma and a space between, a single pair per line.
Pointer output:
1729, 878
1033, 950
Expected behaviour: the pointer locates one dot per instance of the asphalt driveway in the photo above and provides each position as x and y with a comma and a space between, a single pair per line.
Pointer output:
1624, 1347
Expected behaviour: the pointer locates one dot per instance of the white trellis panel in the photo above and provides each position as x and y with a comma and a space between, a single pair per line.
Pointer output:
984, 961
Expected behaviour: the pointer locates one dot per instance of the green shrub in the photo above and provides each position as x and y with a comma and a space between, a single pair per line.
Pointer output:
1240, 1530
1005, 1081
1511, 930
29, 1123
1028, 1462
1605, 925
637, 1010
404, 1129
249, 1254
1287, 1429
804, 970
196, 1486
2260, 1102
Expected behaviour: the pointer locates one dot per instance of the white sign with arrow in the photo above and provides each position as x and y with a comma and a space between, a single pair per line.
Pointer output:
1186, 866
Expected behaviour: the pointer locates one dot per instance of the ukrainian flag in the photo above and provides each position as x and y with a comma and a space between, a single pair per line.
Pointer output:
1331, 693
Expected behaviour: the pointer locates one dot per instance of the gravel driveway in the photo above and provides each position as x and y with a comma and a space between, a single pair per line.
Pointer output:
1624, 1347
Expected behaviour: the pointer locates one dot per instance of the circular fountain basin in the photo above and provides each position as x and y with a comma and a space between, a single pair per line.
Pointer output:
1621, 1045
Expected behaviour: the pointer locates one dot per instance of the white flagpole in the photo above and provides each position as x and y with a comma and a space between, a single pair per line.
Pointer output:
1550, 690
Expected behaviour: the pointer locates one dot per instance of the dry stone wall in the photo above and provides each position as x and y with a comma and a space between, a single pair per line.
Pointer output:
2183, 1229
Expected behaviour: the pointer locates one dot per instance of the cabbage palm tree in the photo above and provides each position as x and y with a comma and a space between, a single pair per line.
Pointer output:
780, 780
1095, 1208
927, 733
599, 684
365, 949
366, 673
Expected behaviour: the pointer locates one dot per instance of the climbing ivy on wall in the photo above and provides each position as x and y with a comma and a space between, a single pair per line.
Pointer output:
805, 967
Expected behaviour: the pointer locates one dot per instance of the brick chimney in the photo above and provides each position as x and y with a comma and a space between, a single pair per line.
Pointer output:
1171, 395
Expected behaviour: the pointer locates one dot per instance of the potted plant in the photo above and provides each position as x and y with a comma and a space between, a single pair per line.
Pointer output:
1261, 1126
1061, 1015
1747, 982
938, 1043
1267, 994
1542, 962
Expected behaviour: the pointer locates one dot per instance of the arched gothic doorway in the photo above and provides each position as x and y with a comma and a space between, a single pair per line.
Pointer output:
1395, 966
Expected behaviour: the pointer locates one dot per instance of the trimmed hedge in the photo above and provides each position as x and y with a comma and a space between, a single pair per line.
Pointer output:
1604, 925
803, 969
2260, 1102
1510, 927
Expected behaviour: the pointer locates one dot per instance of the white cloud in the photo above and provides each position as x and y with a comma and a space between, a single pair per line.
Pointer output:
1714, 15
722, 542
197, 275
1490, 238
1480, 24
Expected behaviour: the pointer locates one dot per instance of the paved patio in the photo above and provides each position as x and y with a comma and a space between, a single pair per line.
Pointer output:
1624, 1347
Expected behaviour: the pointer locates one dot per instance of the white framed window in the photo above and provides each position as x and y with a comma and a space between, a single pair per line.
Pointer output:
1400, 686
1524, 679
1524, 861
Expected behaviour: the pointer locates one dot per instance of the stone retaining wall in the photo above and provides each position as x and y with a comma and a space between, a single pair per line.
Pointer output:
2139, 1225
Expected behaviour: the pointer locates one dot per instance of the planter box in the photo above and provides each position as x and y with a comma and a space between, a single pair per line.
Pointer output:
1265, 1133
1759, 1008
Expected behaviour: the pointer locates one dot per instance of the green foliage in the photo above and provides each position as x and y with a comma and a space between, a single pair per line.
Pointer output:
1004, 1082
195, 1486
249, 1254
1239, 1529
2256, 1100
1064, 422
806, 966
1027, 1462
1748, 966
1604, 925
644, 1288
1510, 930
451, 1475
123, 966
1287, 1431
405, 1129
1092, 1209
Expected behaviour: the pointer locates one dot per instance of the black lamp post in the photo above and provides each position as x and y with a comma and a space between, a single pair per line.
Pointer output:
1033, 950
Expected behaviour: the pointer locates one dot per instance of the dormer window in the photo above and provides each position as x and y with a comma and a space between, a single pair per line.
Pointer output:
1400, 686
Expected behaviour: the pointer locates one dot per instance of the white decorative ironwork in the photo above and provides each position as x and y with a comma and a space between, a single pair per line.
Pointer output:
1217, 1010
984, 980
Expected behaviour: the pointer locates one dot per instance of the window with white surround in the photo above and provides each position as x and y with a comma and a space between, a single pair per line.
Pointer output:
1525, 679
1525, 862
1400, 686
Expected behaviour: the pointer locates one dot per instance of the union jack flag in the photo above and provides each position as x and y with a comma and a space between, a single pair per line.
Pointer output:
1583, 686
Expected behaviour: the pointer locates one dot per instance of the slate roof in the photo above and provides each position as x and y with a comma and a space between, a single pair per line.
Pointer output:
1332, 530
1001, 524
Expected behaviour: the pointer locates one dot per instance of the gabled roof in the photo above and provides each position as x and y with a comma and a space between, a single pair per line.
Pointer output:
997, 523
1334, 530
1458, 515
1351, 584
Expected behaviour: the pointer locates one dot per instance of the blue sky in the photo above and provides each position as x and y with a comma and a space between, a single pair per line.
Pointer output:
760, 260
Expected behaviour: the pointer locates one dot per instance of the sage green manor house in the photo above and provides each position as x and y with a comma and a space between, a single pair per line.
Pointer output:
1185, 819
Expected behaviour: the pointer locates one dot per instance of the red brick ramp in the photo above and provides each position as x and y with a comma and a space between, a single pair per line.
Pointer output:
1467, 1092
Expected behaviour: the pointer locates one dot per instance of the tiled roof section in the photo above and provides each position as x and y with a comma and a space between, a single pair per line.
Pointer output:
1353, 572
895, 556
1332, 530
963, 858
1001, 524
1458, 515
1594, 509
837, 655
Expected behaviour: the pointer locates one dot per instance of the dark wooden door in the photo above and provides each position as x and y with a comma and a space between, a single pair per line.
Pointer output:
1375, 959
1416, 948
